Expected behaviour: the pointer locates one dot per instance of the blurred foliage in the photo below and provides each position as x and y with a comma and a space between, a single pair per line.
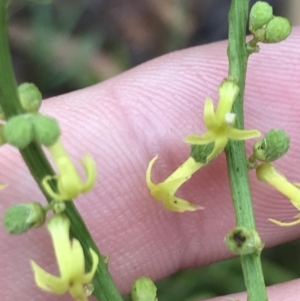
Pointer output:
66, 45
226, 277
70, 44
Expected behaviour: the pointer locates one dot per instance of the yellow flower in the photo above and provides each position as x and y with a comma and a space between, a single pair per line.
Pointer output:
165, 191
219, 124
69, 183
268, 174
70, 260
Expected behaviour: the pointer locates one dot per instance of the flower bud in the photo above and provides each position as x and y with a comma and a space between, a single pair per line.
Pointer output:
20, 218
143, 289
200, 152
243, 241
46, 130
261, 13
274, 145
277, 30
18, 131
30, 97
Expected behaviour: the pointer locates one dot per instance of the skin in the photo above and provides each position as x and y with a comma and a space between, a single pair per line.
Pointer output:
124, 122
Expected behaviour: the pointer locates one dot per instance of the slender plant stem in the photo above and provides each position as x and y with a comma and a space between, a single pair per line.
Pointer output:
104, 287
235, 151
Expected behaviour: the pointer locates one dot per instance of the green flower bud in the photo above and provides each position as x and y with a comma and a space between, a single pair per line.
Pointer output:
261, 13
46, 129
143, 289
18, 131
274, 145
243, 241
277, 30
20, 218
200, 152
30, 97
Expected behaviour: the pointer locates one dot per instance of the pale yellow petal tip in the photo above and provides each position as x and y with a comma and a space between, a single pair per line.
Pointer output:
180, 205
191, 139
285, 224
256, 133
148, 172
90, 167
195, 207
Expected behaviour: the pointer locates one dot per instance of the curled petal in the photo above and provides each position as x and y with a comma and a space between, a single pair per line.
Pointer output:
49, 282
49, 190
285, 224
165, 191
88, 277
91, 173
149, 182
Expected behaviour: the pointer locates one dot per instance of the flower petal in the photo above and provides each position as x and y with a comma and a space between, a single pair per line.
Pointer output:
206, 138
78, 257
228, 91
88, 277
91, 172
266, 172
180, 205
209, 114
150, 184
49, 282
58, 227
284, 224
236, 134
220, 144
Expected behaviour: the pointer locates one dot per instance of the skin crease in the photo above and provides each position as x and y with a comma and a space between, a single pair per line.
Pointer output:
123, 123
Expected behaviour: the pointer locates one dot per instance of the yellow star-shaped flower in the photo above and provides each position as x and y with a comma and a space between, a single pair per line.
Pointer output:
219, 124
267, 173
165, 191
69, 183
70, 260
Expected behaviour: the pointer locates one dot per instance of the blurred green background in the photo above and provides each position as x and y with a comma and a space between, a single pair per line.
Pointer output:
70, 44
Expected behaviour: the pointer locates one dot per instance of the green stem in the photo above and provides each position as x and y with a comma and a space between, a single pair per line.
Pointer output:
235, 151
105, 289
